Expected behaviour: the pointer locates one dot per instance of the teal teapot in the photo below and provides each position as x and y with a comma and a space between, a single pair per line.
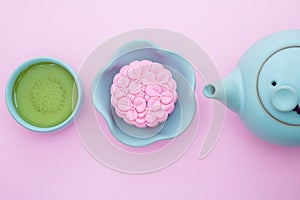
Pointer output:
264, 89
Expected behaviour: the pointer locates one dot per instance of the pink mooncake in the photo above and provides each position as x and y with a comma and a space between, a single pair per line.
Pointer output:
143, 93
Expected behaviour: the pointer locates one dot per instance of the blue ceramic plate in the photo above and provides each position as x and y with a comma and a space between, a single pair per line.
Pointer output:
176, 123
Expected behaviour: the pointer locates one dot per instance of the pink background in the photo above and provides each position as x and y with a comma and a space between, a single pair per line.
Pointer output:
56, 166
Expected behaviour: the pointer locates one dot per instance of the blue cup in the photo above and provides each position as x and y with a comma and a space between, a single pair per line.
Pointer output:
10, 102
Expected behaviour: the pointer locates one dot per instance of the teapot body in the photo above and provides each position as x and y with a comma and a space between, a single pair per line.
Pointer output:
264, 89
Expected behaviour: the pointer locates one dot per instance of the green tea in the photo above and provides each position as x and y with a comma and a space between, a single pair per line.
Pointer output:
45, 94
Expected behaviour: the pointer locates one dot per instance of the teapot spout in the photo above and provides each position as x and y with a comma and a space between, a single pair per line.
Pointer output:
228, 91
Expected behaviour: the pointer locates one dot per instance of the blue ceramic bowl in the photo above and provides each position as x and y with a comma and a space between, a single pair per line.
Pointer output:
185, 107
9, 95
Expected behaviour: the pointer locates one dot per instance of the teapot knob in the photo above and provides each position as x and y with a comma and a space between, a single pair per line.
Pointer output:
284, 98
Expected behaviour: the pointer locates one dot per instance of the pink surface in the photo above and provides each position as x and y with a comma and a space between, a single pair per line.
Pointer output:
56, 166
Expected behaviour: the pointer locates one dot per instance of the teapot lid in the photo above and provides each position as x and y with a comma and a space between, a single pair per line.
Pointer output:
278, 85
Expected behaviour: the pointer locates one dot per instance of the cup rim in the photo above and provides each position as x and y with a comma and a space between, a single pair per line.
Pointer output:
11, 107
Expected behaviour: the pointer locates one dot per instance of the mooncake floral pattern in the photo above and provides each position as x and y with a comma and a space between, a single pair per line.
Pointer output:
144, 93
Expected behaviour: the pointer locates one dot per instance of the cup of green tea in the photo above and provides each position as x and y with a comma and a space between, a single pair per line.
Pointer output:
43, 94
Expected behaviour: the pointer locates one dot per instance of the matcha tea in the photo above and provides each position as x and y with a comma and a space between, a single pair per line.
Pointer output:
45, 94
